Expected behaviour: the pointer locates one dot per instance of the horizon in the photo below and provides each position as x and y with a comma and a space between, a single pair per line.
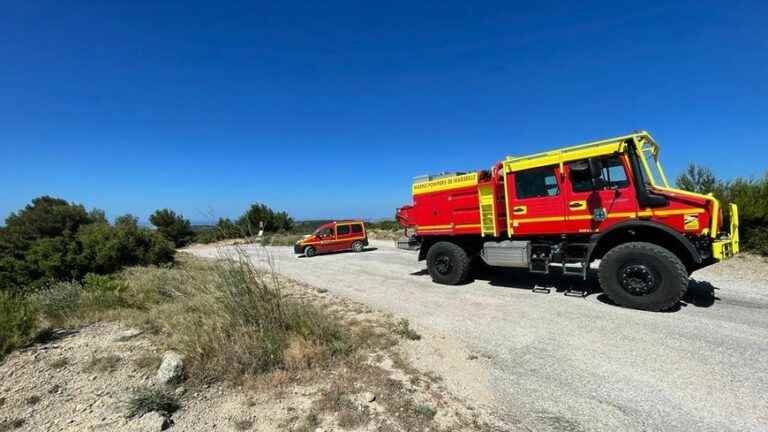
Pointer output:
329, 111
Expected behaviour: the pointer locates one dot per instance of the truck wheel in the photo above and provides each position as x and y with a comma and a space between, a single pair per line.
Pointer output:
643, 276
447, 263
357, 246
310, 251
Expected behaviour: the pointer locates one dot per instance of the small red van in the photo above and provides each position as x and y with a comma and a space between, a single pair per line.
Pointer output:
333, 237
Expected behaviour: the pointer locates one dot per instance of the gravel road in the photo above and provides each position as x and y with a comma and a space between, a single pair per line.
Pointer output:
555, 362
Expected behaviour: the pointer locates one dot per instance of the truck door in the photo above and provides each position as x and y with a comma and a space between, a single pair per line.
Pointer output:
593, 206
536, 203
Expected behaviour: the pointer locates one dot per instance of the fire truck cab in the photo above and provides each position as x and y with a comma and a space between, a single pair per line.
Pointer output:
561, 210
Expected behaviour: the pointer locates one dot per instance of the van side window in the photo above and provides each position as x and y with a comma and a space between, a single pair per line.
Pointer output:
613, 175
538, 182
357, 229
342, 229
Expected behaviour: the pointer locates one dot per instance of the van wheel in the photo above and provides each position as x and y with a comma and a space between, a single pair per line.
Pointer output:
310, 251
447, 263
357, 246
643, 276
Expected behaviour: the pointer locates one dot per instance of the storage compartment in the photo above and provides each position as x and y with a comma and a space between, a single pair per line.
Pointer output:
507, 253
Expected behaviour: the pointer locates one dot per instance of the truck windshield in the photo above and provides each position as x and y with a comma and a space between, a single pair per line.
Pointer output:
653, 173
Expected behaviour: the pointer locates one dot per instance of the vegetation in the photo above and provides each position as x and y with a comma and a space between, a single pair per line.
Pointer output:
751, 195
18, 322
173, 227
226, 317
403, 329
257, 217
148, 400
52, 240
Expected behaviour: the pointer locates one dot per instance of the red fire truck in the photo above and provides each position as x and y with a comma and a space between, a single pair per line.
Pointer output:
561, 210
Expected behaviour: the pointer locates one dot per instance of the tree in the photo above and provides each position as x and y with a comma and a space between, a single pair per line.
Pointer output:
250, 222
697, 179
172, 226
47, 217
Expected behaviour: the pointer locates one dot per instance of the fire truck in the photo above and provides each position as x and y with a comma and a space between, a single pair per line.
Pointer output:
561, 211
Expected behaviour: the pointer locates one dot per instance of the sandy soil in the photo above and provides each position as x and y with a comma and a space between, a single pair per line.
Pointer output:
552, 362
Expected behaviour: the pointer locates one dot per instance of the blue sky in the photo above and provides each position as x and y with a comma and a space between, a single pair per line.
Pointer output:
330, 110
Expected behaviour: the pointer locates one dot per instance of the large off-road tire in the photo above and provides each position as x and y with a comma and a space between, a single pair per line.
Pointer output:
643, 276
448, 263
358, 246
310, 251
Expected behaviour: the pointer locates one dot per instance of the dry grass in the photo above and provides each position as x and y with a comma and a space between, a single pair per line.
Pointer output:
403, 329
148, 400
230, 319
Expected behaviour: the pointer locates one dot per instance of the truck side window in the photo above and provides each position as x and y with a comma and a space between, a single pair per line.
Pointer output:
342, 229
357, 229
538, 182
613, 175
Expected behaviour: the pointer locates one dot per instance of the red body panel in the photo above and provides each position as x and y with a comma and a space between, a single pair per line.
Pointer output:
457, 211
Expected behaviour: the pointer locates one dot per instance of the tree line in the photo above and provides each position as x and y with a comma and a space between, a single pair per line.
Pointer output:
52, 240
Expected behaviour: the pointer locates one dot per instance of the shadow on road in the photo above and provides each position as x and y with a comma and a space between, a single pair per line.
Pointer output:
368, 249
699, 293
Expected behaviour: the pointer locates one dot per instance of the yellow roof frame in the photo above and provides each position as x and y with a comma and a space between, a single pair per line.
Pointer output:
642, 139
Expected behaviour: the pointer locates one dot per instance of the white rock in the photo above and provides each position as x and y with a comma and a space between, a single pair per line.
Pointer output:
171, 369
126, 335
151, 422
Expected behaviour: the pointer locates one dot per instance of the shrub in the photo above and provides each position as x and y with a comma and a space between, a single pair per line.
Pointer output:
147, 400
59, 302
47, 217
52, 240
172, 226
18, 322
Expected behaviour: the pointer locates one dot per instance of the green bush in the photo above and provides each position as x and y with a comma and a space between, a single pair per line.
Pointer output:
51, 240
18, 322
173, 227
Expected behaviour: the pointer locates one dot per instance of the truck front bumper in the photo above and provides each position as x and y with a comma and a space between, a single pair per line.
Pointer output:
728, 246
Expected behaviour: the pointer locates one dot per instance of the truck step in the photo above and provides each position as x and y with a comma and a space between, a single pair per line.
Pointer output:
539, 265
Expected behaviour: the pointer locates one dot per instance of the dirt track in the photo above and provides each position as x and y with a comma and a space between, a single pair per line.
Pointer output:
554, 362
